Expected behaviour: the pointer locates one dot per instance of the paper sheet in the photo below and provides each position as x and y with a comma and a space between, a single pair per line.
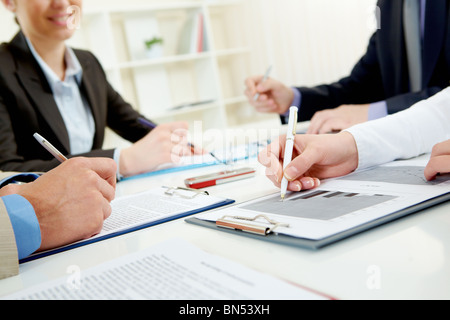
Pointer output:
226, 156
142, 210
344, 203
153, 205
173, 270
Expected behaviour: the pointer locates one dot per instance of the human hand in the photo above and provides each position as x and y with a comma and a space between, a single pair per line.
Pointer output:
338, 119
315, 157
439, 161
72, 201
167, 143
274, 95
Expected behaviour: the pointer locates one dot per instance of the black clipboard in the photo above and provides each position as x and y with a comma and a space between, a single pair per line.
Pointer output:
318, 244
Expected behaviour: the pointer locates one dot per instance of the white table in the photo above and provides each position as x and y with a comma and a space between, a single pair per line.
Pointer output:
405, 259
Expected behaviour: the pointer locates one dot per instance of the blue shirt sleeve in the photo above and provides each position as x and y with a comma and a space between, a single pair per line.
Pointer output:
378, 110
25, 224
297, 98
295, 103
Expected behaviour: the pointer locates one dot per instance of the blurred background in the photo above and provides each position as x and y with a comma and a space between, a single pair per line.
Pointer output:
188, 60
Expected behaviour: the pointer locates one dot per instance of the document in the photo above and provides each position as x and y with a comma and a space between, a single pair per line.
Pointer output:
172, 270
227, 155
146, 209
342, 204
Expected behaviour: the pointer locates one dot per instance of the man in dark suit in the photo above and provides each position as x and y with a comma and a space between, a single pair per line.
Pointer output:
384, 80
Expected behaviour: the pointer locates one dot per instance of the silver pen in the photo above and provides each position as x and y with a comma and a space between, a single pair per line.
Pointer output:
266, 76
50, 148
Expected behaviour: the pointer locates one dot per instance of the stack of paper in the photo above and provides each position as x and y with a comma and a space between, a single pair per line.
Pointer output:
174, 270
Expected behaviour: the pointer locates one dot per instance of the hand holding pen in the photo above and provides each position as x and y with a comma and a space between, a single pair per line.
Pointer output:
152, 125
289, 148
266, 76
268, 95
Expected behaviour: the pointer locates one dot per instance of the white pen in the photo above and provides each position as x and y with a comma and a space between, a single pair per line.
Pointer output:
266, 76
50, 148
293, 113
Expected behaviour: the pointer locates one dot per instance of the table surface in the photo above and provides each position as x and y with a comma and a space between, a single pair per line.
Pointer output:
405, 259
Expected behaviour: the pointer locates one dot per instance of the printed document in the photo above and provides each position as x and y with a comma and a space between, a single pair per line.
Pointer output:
344, 203
173, 270
138, 211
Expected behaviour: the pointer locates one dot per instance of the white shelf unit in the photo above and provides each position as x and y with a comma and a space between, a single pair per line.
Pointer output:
213, 76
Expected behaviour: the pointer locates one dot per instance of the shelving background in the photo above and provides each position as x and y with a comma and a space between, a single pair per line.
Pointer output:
214, 78
308, 42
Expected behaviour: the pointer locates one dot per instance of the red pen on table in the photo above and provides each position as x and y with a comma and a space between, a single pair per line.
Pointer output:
219, 178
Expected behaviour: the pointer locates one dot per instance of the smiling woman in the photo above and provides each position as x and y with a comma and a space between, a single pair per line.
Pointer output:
63, 94
45, 24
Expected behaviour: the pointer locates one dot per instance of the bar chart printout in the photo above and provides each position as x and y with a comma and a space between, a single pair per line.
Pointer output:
320, 205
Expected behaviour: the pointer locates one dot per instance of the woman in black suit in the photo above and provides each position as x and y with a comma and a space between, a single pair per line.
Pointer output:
63, 94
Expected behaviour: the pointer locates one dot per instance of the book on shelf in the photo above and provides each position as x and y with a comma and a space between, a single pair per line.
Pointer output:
193, 38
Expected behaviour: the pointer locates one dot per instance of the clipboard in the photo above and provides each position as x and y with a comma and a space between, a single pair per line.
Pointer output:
180, 193
247, 229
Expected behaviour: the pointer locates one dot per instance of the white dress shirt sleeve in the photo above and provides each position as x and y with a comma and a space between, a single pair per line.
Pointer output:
406, 134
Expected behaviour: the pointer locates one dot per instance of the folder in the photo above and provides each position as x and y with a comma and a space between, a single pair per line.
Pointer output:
234, 154
339, 209
265, 234
144, 210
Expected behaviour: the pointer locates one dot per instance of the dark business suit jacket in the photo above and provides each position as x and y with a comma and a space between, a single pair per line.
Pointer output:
27, 106
382, 73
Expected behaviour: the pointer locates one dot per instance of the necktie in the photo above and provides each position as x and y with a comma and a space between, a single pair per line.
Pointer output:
411, 25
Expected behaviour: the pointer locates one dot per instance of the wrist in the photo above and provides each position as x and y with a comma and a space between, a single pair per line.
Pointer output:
124, 162
9, 190
351, 149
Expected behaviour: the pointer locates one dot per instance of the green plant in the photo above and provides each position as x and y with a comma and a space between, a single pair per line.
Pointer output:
152, 42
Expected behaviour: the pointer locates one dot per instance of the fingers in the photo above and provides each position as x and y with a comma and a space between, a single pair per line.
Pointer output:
250, 84
178, 127
304, 183
441, 149
265, 102
301, 164
97, 173
437, 165
439, 161
272, 159
105, 168
335, 120
107, 210
107, 191
318, 121
177, 133
332, 126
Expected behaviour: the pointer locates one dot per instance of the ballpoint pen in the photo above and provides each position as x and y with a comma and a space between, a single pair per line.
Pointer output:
293, 112
151, 125
266, 76
50, 148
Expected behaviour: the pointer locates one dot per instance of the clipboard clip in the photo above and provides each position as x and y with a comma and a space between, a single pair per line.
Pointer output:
225, 222
181, 192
